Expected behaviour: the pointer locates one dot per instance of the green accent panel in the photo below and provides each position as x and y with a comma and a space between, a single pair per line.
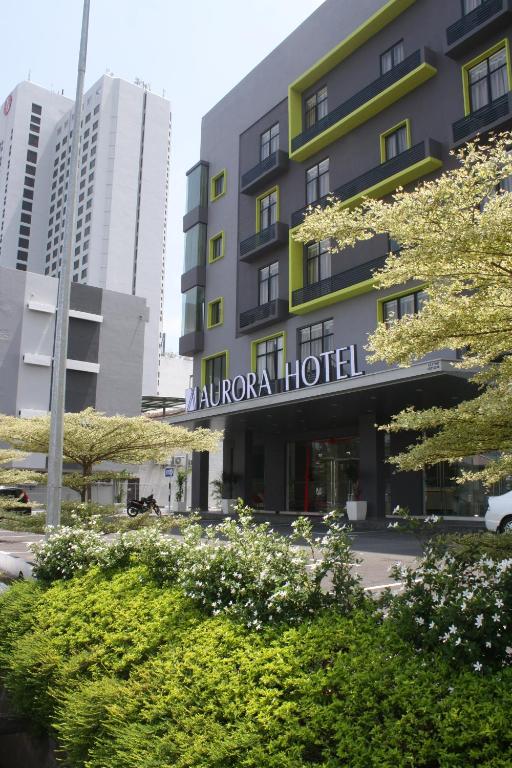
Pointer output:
211, 260
296, 270
355, 40
209, 323
366, 111
481, 56
392, 296
275, 188
255, 343
383, 137
214, 197
414, 172
224, 352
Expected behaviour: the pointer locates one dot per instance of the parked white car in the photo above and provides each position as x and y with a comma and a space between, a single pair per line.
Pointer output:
498, 517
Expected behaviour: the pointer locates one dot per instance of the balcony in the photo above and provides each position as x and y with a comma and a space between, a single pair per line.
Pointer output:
262, 241
191, 343
350, 282
487, 118
403, 169
259, 176
475, 26
375, 97
266, 314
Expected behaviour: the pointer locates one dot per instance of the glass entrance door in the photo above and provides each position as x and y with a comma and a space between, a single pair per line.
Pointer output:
322, 474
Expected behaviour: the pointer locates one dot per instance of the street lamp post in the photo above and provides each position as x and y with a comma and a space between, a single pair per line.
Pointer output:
58, 391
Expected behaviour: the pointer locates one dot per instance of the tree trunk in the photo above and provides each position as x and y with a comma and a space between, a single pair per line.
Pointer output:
85, 493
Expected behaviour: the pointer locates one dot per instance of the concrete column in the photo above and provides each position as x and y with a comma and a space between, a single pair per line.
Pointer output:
200, 462
406, 487
275, 474
371, 465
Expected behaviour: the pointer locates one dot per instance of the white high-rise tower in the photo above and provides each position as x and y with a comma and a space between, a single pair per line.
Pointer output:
122, 196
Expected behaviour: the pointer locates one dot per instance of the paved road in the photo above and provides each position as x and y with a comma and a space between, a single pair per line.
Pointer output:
377, 550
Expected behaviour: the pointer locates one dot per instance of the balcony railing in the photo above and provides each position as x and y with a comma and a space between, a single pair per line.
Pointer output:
372, 177
191, 343
264, 171
272, 311
373, 89
337, 282
484, 118
261, 241
468, 30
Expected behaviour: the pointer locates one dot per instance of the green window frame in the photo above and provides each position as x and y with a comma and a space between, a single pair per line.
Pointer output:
257, 342
216, 247
417, 295
466, 88
211, 359
260, 199
387, 134
215, 316
218, 190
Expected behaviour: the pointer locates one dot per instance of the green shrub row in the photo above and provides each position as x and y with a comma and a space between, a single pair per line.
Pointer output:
131, 674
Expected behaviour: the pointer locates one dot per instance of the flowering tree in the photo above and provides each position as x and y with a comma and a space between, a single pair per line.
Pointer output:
91, 437
455, 236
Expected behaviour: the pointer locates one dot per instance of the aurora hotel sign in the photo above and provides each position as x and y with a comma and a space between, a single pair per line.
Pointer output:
337, 365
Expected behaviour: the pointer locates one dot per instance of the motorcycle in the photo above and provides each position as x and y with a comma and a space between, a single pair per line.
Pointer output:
142, 505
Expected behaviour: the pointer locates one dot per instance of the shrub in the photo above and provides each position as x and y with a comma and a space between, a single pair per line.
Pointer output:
66, 552
458, 603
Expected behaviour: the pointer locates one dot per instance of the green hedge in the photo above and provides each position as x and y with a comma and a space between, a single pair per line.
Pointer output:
130, 674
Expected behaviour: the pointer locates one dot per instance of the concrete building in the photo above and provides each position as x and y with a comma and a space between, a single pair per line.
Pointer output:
105, 349
122, 196
362, 98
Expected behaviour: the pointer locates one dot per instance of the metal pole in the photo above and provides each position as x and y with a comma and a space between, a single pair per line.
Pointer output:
62, 319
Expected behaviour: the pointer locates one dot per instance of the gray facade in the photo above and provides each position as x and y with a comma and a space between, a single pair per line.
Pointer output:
105, 347
367, 99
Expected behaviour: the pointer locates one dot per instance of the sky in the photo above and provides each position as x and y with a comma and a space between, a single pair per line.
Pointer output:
194, 52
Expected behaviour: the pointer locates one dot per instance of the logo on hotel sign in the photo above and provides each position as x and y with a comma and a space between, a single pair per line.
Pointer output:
336, 365
7, 104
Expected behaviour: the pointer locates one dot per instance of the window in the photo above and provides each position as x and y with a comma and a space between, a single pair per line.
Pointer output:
215, 313
316, 107
410, 304
488, 79
215, 370
216, 247
33, 140
25, 231
22, 256
269, 356
391, 57
28, 194
470, 5
31, 156
267, 210
317, 181
269, 142
395, 141
318, 262
218, 186
315, 339
268, 283
22, 242
37, 109
29, 181
30, 170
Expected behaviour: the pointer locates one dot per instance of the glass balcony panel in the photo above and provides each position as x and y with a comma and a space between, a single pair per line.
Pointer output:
193, 311
197, 188
195, 247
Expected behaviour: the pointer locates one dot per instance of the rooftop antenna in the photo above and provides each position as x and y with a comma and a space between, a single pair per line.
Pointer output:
29, 75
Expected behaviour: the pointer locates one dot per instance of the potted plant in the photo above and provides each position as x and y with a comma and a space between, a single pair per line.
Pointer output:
221, 486
356, 507
181, 479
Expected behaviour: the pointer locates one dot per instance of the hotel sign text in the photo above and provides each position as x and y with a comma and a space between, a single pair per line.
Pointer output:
336, 365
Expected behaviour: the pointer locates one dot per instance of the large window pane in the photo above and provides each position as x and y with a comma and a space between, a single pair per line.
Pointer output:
195, 247
192, 311
197, 188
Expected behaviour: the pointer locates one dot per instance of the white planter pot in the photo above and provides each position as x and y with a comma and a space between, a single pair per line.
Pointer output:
228, 506
179, 506
356, 510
